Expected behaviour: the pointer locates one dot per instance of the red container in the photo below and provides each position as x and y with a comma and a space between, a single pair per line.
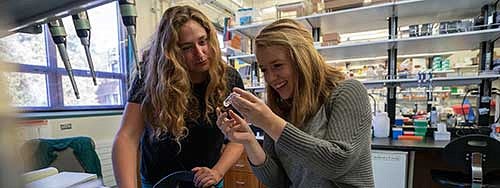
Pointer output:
458, 110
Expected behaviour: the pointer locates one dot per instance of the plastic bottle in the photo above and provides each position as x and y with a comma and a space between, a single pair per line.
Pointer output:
445, 65
434, 117
436, 63
381, 125
470, 116
399, 120
452, 120
495, 131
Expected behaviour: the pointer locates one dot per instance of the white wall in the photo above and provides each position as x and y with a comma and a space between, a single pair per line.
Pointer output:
101, 129
150, 13
98, 128
147, 20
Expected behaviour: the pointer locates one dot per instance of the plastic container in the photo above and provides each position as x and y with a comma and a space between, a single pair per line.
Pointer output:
398, 122
409, 133
420, 131
396, 132
445, 65
495, 131
434, 117
436, 63
420, 123
457, 109
244, 16
381, 125
441, 127
442, 132
409, 137
442, 135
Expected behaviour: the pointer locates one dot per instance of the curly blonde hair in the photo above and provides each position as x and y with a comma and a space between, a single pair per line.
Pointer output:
169, 98
315, 78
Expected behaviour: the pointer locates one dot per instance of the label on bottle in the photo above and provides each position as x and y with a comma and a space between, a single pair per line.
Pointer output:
483, 111
485, 99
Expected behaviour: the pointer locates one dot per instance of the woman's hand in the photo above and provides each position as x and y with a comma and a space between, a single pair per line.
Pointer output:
206, 177
255, 110
235, 129
238, 130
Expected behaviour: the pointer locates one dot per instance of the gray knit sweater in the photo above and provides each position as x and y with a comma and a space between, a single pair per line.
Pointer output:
331, 150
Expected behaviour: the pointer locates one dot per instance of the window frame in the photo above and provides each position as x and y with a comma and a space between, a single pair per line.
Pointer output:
54, 75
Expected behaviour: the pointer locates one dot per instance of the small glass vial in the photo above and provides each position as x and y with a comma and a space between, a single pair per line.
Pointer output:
227, 104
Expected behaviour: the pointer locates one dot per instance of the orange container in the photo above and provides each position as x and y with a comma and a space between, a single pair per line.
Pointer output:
407, 137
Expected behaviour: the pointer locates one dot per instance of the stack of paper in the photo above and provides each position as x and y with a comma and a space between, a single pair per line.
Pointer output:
62, 180
39, 174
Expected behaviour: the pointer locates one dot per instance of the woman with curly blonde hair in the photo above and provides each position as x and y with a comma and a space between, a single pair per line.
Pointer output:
172, 106
316, 123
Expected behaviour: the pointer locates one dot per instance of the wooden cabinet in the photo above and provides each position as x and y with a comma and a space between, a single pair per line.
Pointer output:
240, 175
240, 180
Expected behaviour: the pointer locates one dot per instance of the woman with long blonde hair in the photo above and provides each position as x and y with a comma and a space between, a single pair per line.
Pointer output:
172, 106
316, 123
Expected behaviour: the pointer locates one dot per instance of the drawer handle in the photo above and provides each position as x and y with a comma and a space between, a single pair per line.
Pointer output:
240, 182
239, 165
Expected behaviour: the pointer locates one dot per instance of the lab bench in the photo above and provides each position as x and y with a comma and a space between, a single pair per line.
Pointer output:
407, 162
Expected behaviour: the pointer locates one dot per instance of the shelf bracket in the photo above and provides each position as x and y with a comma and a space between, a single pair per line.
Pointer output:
484, 99
392, 70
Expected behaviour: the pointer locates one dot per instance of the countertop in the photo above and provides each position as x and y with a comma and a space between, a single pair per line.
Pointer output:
408, 145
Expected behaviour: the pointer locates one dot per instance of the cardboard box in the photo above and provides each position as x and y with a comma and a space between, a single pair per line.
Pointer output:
295, 9
316, 6
331, 37
374, 2
334, 5
236, 42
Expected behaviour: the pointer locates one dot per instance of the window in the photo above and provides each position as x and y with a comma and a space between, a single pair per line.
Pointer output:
41, 83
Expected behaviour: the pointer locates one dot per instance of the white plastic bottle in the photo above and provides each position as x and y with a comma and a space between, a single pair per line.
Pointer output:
381, 125
495, 131
434, 117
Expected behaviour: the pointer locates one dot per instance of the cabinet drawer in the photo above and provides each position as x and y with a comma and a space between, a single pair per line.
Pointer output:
242, 165
240, 180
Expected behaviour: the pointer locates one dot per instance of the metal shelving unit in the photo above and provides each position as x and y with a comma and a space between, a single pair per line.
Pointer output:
445, 43
443, 81
373, 17
248, 58
390, 16
412, 12
406, 46
413, 82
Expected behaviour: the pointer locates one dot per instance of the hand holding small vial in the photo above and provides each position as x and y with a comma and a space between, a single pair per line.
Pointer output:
227, 104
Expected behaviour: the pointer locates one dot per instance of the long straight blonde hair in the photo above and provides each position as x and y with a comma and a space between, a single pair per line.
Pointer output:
315, 79
169, 98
